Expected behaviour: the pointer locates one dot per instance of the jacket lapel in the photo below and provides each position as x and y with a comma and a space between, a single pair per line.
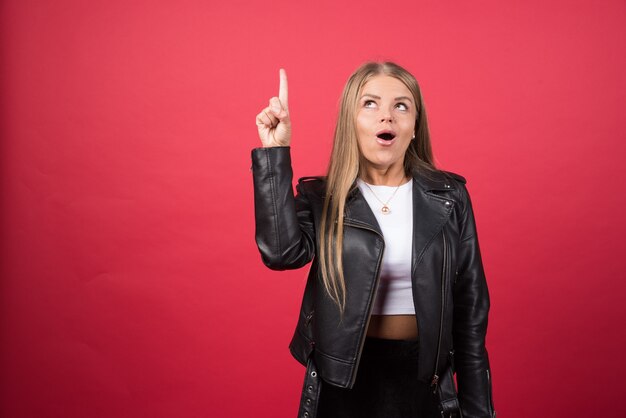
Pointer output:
358, 211
431, 211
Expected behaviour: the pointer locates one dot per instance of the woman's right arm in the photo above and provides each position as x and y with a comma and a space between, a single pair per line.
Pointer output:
285, 233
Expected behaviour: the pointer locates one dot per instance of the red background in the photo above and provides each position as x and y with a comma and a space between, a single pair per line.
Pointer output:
130, 282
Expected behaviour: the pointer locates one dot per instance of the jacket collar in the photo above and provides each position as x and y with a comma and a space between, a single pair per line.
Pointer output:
436, 181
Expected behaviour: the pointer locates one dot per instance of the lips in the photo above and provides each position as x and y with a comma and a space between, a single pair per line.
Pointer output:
385, 137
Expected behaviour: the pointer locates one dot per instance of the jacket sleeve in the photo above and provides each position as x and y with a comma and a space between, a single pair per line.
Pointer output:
285, 233
471, 308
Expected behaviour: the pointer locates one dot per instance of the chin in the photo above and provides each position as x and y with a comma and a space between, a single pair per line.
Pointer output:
382, 163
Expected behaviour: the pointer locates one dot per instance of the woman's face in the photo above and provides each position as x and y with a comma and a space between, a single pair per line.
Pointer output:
385, 121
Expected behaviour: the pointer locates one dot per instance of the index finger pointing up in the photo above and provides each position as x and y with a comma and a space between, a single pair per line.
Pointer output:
283, 89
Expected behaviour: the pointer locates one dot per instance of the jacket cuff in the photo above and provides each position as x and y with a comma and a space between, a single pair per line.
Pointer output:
261, 153
475, 394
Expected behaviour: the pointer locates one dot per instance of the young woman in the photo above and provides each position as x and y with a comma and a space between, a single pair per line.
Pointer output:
396, 299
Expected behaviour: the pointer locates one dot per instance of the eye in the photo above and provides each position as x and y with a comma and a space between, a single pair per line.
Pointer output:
369, 104
402, 106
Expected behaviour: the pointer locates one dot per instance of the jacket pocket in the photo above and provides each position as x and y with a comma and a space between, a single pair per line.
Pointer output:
302, 344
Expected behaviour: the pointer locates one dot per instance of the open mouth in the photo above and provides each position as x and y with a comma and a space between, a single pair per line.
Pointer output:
386, 135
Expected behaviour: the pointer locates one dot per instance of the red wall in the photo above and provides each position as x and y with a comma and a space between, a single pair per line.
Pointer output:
130, 282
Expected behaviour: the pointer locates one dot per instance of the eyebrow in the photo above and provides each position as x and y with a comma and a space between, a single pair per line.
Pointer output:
396, 99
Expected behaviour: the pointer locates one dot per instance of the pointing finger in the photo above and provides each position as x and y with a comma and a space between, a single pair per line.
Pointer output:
283, 89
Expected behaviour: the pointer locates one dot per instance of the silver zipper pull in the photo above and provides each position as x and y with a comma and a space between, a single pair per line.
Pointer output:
434, 383
308, 318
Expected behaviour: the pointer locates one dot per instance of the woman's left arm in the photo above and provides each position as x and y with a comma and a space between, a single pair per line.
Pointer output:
471, 309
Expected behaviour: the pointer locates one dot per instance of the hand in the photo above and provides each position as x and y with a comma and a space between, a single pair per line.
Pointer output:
273, 122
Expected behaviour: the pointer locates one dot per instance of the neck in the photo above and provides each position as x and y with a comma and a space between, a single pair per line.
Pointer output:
384, 176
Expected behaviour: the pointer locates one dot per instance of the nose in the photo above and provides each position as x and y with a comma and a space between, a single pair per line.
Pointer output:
385, 116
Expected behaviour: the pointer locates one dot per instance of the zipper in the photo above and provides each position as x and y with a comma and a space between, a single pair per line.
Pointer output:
369, 309
307, 319
491, 410
435, 379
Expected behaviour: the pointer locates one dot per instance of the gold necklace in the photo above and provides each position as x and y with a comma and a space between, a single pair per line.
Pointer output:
386, 210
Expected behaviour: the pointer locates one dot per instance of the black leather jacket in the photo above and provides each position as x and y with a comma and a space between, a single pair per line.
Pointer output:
449, 288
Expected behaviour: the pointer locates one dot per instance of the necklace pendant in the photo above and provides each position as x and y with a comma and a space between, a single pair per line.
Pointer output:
385, 210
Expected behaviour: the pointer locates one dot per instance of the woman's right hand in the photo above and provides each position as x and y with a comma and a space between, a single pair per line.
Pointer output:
273, 122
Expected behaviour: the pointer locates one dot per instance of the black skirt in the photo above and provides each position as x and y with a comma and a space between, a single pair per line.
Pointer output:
386, 385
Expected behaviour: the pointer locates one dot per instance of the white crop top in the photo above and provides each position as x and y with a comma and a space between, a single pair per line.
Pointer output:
394, 295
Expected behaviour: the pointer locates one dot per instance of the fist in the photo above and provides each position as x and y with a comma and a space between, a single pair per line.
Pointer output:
273, 122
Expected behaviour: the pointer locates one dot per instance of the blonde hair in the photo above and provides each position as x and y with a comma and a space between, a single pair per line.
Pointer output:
344, 168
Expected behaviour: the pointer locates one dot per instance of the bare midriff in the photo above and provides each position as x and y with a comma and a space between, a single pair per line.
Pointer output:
393, 327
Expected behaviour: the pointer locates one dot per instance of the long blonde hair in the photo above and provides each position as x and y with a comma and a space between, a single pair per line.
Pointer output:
344, 168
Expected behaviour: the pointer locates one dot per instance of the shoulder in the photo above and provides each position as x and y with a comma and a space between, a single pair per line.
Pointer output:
444, 184
454, 176
312, 179
439, 180
312, 185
